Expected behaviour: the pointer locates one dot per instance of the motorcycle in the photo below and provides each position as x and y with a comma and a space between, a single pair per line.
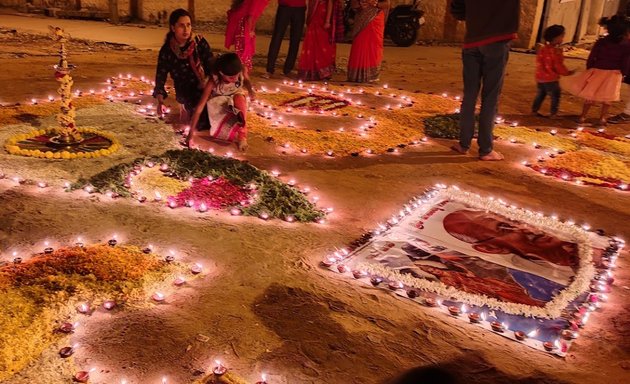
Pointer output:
403, 22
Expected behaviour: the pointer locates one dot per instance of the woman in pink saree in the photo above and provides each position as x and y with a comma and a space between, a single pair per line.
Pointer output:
366, 53
241, 28
319, 50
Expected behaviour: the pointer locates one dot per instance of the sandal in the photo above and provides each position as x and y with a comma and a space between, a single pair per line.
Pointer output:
619, 119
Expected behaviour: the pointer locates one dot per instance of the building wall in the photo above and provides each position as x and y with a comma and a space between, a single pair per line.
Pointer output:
440, 25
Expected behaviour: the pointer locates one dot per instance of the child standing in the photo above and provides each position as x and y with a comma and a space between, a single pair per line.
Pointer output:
225, 99
601, 82
241, 28
549, 68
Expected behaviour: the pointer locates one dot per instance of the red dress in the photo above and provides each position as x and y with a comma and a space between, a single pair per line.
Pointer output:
366, 53
317, 59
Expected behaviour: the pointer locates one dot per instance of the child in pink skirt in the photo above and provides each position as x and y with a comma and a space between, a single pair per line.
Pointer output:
608, 61
224, 98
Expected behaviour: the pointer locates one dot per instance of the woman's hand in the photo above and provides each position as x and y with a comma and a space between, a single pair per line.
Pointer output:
327, 25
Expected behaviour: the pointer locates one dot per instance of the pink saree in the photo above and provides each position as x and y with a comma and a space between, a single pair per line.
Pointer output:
241, 21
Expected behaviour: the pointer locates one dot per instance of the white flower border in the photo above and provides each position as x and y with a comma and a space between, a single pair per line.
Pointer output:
552, 309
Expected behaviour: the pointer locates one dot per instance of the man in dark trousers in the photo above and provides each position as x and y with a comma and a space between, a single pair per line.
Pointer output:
293, 13
491, 25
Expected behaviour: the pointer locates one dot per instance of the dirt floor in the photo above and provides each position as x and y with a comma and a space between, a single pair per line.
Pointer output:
269, 307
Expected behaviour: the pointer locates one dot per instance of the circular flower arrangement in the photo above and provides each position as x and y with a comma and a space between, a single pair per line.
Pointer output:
37, 143
199, 180
340, 121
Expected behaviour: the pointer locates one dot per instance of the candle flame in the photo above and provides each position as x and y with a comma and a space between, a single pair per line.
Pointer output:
533, 333
483, 316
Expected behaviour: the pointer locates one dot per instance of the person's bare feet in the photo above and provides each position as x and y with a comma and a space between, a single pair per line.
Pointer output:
459, 149
242, 145
492, 156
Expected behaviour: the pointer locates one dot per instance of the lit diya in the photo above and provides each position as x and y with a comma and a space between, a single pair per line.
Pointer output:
158, 297
454, 311
342, 268
178, 282
263, 379
549, 346
109, 304
196, 269
358, 274
329, 262
394, 285
568, 334
66, 352
67, 327
376, 280
430, 302
474, 317
84, 309
81, 377
219, 369
497, 327
520, 335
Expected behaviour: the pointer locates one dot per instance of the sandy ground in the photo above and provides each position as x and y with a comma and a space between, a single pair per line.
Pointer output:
270, 308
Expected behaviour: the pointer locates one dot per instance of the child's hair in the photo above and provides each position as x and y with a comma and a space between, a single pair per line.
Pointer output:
172, 20
237, 3
228, 63
616, 26
552, 32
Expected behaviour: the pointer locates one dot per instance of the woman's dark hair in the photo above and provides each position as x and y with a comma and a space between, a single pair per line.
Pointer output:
172, 20
616, 26
229, 64
552, 32
236, 3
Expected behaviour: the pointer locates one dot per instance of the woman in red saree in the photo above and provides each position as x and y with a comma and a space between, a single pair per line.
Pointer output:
366, 53
317, 59
241, 28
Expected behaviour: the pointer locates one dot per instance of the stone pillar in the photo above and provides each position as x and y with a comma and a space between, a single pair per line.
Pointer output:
113, 11
597, 9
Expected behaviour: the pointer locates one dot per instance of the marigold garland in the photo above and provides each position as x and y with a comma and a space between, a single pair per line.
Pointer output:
11, 145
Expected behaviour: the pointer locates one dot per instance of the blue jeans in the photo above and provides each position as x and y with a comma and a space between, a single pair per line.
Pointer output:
484, 69
553, 90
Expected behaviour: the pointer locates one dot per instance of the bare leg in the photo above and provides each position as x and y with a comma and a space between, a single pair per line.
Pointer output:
241, 104
604, 116
585, 109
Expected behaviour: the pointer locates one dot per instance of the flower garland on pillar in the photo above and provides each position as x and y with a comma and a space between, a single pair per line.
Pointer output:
65, 118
